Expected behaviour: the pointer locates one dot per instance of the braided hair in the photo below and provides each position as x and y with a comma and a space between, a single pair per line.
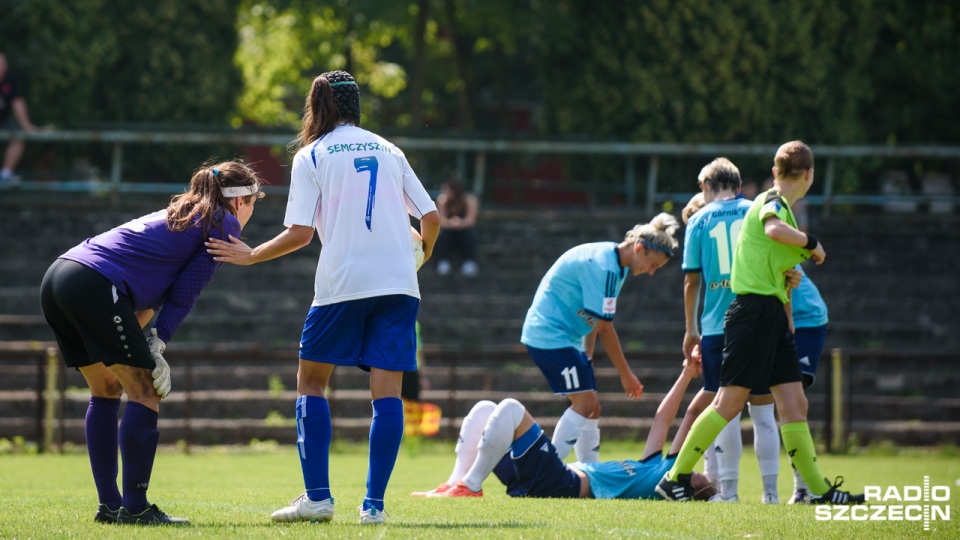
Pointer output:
334, 98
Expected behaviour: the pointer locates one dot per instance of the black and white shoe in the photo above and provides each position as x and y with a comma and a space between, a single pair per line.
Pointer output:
150, 516
835, 496
679, 490
105, 514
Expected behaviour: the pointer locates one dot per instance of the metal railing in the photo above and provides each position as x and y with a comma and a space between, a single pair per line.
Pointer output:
629, 152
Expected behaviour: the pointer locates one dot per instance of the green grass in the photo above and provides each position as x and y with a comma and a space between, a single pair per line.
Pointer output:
230, 493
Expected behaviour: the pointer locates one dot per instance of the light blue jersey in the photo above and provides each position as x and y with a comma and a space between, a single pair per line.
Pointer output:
627, 479
809, 309
580, 289
708, 245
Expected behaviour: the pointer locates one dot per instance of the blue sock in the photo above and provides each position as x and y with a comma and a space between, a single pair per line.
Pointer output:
386, 432
101, 429
138, 447
314, 432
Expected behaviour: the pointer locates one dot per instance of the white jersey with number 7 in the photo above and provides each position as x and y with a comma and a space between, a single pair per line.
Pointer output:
357, 190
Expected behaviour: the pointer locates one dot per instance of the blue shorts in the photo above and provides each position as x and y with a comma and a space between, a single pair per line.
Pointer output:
810, 348
378, 332
711, 352
568, 371
532, 468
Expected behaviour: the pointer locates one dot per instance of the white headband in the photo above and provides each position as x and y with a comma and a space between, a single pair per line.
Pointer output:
239, 191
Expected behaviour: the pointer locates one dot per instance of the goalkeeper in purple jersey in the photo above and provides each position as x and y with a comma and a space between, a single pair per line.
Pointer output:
98, 298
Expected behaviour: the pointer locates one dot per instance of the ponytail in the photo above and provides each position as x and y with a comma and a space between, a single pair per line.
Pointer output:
334, 98
211, 187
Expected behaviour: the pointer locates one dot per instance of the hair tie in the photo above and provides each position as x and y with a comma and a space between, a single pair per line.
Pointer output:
215, 172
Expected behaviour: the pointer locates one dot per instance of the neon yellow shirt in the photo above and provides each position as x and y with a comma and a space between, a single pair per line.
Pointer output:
759, 261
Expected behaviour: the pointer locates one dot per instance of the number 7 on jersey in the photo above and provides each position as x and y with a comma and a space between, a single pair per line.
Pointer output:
363, 164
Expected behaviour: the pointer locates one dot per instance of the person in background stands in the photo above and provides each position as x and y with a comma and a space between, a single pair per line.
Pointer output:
13, 114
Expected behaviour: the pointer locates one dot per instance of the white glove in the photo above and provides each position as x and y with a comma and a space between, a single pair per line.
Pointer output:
161, 373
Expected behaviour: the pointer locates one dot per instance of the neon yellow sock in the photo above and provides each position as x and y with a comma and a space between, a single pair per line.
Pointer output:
799, 445
702, 434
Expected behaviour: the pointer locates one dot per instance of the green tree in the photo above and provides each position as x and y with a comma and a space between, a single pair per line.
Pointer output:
95, 64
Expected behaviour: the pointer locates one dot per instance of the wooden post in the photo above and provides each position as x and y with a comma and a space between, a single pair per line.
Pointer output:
188, 404
50, 399
837, 403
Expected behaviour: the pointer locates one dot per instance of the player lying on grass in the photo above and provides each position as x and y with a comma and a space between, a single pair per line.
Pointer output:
506, 440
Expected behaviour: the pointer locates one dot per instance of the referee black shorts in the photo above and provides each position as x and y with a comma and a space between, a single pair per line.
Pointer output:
91, 322
758, 349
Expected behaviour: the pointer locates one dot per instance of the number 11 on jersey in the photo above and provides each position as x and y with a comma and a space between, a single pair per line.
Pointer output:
363, 164
726, 243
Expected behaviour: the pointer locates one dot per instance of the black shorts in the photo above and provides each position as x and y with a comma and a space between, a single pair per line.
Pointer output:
758, 349
91, 322
410, 387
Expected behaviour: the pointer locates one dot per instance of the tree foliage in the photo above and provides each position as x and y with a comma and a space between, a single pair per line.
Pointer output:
742, 71
95, 63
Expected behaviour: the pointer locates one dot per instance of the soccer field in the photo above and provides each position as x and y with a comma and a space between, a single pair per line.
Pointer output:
230, 493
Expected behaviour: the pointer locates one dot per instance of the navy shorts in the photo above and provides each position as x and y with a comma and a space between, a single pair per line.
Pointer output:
378, 332
568, 371
91, 322
535, 470
810, 348
711, 352
758, 349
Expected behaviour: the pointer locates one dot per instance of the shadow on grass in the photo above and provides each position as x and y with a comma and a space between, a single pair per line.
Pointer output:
440, 526
482, 525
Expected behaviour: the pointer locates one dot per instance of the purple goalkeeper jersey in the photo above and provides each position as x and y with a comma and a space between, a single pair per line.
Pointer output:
155, 266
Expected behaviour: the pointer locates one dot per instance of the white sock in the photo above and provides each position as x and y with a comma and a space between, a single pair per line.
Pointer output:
710, 465
798, 482
497, 436
729, 448
567, 432
766, 443
770, 484
471, 431
587, 447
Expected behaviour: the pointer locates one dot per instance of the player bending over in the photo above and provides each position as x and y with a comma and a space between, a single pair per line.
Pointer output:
574, 306
506, 440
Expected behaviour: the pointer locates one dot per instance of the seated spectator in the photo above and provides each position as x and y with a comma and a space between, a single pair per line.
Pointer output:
458, 215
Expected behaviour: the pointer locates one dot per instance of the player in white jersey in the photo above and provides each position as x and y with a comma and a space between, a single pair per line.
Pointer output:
357, 190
